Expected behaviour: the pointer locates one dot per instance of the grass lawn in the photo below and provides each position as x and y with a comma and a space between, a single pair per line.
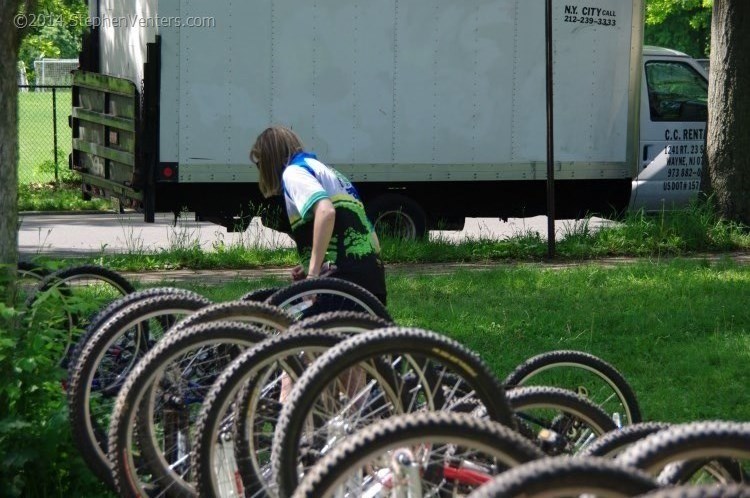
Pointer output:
36, 137
678, 331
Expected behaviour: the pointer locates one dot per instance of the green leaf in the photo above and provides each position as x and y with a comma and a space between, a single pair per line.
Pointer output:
27, 364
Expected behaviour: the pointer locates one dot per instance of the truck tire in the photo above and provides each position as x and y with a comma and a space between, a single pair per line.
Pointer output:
396, 215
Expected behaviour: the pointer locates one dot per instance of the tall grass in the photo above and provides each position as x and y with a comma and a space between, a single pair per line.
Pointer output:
696, 229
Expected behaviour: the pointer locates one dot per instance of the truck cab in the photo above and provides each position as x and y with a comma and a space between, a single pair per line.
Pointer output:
674, 95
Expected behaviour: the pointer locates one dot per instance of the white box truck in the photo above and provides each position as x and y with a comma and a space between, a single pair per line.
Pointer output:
436, 109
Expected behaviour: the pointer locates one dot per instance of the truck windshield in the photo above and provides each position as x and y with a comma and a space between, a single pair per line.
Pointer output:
676, 92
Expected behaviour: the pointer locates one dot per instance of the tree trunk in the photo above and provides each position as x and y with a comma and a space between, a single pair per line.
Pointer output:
9, 43
729, 109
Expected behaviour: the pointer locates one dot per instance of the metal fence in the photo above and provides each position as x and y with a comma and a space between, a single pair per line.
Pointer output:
44, 135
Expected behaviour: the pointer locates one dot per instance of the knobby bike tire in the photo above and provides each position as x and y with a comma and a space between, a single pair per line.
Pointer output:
263, 315
102, 316
353, 293
524, 373
433, 429
348, 322
61, 279
245, 376
259, 295
343, 322
691, 491
90, 439
32, 271
705, 441
568, 476
72, 272
135, 402
391, 341
615, 442
566, 404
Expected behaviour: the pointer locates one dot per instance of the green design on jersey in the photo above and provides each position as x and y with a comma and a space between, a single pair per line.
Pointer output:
357, 208
353, 237
332, 253
357, 243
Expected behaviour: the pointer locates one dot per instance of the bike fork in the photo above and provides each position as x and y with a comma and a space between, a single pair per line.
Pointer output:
406, 474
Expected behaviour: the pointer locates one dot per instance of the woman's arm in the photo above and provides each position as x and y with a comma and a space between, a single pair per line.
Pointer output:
324, 217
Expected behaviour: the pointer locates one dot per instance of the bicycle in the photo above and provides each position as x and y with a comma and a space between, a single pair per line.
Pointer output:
318, 295
129, 328
584, 373
153, 417
372, 376
418, 454
66, 299
714, 451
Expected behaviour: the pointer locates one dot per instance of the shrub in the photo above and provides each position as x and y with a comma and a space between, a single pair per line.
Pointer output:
36, 446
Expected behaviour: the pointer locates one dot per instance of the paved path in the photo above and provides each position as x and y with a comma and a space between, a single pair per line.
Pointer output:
108, 233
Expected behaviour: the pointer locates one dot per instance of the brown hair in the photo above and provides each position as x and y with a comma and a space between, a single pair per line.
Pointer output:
272, 151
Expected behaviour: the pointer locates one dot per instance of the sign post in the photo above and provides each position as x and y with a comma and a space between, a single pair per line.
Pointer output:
550, 138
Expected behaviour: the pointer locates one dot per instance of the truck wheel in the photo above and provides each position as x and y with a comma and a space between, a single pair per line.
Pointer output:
397, 216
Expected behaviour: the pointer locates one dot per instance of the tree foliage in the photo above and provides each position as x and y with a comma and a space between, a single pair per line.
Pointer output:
684, 25
55, 30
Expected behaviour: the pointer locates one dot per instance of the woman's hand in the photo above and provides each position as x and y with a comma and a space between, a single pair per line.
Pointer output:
298, 273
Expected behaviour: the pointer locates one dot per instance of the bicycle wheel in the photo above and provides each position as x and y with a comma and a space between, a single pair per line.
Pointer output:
347, 322
259, 294
28, 277
151, 428
118, 304
225, 419
264, 316
695, 452
254, 429
104, 362
560, 421
692, 491
585, 374
371, 376
437, 453
615, 442
318, 295
65, 300
563, 477
249, 430
33, 270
